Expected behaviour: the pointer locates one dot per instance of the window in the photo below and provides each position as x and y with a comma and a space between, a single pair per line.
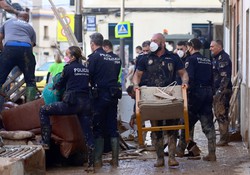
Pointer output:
46, 32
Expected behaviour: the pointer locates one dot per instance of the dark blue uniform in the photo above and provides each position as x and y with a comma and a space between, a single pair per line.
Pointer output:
161, 71
75, 81
200, 97
105, 69
222, 71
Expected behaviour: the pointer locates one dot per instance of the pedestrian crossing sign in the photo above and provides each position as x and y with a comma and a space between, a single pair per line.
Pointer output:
123, 30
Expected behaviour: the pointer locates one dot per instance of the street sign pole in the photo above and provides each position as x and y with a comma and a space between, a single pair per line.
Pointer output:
122, 53
78, 22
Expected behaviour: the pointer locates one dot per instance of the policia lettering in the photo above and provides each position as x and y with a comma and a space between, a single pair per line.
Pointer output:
81, 71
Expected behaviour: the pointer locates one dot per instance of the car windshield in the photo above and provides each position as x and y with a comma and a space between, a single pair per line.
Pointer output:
45, 66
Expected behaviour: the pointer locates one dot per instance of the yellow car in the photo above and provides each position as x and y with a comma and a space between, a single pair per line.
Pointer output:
41, 75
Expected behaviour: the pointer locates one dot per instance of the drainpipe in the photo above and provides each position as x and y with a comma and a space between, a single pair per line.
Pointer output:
122, 53
78, 22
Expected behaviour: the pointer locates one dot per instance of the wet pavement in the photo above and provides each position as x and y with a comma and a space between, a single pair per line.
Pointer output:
231, 160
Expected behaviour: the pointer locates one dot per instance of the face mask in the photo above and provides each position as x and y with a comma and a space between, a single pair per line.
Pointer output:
180, 53
66, 59
154, 48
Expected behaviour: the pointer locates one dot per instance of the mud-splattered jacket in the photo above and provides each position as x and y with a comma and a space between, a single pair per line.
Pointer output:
222, 71
161, 71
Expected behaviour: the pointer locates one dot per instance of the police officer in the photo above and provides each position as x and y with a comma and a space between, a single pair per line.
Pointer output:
161, 66
222, 70
180, 50
200, 97
75, 80
146, 50
105, 71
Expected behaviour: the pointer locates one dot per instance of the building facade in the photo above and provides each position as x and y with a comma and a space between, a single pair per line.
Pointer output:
149, 17
238, 26
146, 17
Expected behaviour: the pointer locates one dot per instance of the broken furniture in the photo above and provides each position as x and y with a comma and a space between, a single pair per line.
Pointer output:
161, 103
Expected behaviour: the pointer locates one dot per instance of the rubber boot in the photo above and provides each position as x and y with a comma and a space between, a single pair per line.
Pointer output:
180, 149
159, 148
172, 150
211, 137
115, 151
30, 93
90, 168
224, 135
99, 145
46, 136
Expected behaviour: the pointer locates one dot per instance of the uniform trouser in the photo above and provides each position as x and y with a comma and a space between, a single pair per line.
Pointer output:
105, 124
158, 138
105, 116
200, 108
81, 108
223, 120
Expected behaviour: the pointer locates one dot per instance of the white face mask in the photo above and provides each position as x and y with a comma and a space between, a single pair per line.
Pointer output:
180, 53
153, 46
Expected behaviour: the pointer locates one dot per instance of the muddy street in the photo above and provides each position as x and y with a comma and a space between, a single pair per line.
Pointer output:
231, 160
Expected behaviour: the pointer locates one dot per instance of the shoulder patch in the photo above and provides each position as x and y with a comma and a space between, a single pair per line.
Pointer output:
150, 61
186, 65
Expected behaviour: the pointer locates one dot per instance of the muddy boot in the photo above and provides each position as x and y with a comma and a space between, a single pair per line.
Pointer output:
90, 168
159, 147
193, 149
172, 150
224, 135
211, 146
46, 136
115, 151
99, 145
210, 157
180, 149
30, 93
